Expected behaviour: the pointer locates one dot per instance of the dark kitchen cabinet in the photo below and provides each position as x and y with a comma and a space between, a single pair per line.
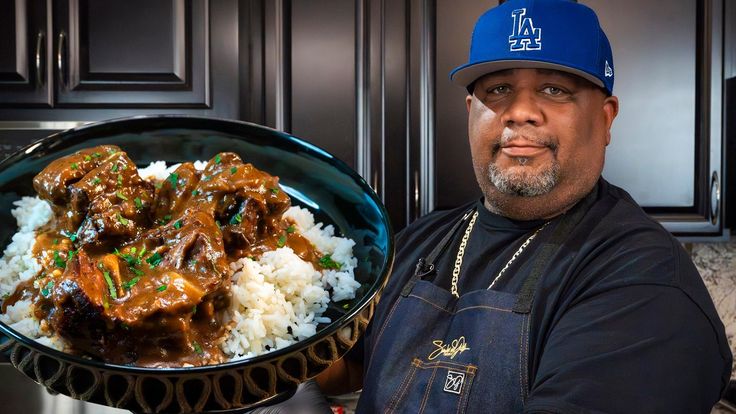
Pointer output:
112, 53
368, 80
335, 73
24, 53
100, 60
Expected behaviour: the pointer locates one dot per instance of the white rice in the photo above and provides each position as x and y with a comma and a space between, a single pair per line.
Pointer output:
276, 301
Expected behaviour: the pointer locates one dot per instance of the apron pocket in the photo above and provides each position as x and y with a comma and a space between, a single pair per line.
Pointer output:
437, 386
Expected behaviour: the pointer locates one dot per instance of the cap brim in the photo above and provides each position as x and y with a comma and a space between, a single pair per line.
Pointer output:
469, 73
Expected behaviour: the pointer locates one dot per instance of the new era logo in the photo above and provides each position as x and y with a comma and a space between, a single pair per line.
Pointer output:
524, 36
608, 70
454, 382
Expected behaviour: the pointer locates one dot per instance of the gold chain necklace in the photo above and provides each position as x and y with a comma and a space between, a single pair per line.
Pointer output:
461, 253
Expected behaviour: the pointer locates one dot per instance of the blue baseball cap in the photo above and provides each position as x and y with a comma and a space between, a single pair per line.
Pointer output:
548, 34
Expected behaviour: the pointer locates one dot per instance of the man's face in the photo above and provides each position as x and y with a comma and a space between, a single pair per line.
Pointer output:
537, 136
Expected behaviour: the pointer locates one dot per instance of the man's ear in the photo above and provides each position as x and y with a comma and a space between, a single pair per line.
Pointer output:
610, 110
468, 102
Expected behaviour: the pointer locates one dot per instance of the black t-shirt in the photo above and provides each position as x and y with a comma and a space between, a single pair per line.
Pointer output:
621, 320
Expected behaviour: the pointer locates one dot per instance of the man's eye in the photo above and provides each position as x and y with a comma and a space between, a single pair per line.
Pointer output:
551, 90
496, 90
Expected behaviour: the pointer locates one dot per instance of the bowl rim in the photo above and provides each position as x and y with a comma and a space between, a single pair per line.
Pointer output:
294, 348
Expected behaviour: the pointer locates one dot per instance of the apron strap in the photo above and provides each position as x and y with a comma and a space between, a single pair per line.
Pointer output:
561, 233
425, 266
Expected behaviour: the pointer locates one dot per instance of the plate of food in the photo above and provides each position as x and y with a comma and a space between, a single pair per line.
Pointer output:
184, 264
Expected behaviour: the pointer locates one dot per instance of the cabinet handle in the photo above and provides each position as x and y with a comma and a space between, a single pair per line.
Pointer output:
375, 184
40, 79
715, 190
60, 59
416, 194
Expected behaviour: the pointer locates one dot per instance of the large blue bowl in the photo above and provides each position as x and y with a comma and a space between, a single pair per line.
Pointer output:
314, 179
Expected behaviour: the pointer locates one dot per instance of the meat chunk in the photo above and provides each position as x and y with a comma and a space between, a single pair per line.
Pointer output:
111, 200
193, 243
175, 192
80, 297
246, 201
53, 182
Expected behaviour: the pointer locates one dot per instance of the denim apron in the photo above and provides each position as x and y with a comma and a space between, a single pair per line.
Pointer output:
436, 353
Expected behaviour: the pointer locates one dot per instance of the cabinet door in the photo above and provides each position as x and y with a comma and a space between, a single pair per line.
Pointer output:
131, 53
24, 53
333, 72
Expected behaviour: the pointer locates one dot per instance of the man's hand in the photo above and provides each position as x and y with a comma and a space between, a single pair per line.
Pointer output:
342, 377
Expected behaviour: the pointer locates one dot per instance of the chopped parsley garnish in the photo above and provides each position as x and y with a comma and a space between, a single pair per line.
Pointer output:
282, 241
143, 251
158, 185
197, 348
58, 260
137, 272
165, 219
129, 284
233, 170
96, 180
56, 241
130, 259
218, 159
121, 196
138, 202
192, 262
87, 158
194, 310
96, 155
111, 151
120, 180
237, 218
275, 190
74, 166
327, 263
290, 229
70, 255
71, 236
173, 179
177, 224
122, 220
154, 260
345, 306
110, 285
46, 291
219, 226
161, 288
114, 168
206, 178
195, 192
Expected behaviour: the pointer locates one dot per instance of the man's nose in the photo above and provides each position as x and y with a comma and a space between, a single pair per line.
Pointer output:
523, 108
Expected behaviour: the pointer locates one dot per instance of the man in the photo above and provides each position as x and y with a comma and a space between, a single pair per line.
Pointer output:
555, 293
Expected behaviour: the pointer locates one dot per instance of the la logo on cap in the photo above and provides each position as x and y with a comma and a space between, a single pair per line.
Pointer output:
524, 36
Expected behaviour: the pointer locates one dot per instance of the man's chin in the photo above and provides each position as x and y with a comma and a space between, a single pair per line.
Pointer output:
523, 184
